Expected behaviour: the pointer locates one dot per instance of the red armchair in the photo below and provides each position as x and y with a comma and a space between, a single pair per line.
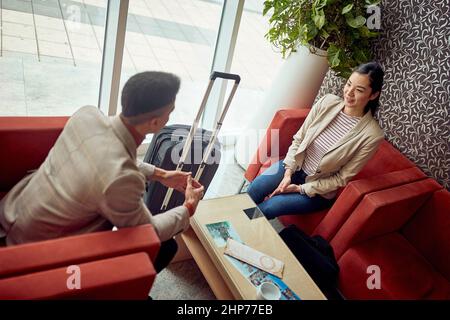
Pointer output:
405, 231
387, 168
113, 264
391, 215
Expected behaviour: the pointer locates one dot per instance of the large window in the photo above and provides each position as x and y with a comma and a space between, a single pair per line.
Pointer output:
50, 55
256, 61
173, 36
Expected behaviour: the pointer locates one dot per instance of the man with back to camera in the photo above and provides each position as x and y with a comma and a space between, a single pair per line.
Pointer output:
91, 179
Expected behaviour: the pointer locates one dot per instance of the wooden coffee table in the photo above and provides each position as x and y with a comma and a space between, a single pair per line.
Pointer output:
224, 279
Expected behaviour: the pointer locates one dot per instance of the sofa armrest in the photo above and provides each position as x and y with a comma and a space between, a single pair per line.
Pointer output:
50, 254
382, 212
355, 191
25, 143
124, 277
285, 123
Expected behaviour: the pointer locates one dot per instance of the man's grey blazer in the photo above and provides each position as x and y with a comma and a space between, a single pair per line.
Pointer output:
89, 182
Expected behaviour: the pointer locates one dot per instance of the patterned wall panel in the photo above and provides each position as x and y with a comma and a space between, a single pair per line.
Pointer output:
414, 49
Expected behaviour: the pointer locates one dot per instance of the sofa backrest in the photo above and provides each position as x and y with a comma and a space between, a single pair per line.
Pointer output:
24, 145
284, 125
429, 231
383, 212
355, 191
386, 159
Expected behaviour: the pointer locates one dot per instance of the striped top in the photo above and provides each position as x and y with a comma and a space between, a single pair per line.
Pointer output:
334, 132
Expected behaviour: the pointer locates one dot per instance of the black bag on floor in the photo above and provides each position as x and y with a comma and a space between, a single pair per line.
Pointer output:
315, 255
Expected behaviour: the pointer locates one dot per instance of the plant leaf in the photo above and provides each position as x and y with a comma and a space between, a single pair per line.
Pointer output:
347, 8
311, 32
319, 4
357, 22
266, 9
333, 56
332, 27
319, 19
367, 33
360, 56
372, 2
324, 34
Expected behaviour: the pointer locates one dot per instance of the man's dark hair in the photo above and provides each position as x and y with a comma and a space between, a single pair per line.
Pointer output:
148, 91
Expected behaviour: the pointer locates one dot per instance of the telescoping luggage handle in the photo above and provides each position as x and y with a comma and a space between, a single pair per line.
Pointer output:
190, 137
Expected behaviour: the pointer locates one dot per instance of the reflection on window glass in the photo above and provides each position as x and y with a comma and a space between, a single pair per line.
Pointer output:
256, 61
175, 36
50, 55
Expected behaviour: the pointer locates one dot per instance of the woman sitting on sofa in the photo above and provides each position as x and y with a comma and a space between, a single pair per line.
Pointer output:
336, 140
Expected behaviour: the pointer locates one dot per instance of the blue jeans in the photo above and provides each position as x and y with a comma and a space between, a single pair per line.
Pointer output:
286, 203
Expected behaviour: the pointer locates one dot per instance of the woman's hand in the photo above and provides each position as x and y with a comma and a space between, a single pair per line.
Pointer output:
292, 188
283, 184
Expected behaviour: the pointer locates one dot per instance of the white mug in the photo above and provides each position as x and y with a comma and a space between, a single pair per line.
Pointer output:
268, 291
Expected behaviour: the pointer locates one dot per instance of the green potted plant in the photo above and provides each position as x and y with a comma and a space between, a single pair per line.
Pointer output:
335, 26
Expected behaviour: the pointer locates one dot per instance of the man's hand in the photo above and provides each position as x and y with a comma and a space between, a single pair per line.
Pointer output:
193, 194
173, 179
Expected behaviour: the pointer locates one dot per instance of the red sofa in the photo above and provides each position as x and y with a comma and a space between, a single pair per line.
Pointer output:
390, 215
405, 232
387, 168
113, 264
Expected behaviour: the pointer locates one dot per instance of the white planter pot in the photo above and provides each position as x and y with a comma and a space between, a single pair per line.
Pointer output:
296, 86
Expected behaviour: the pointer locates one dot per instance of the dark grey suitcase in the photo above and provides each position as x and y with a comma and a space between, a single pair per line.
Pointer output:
164, 145
168, 151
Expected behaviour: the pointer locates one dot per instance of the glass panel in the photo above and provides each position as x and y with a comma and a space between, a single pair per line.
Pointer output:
50, 55
175, 36
256, 61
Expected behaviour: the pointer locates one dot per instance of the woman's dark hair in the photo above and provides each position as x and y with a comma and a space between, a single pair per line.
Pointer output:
148, 91
376, 74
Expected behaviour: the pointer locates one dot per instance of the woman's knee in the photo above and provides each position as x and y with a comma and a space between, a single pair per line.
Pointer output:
270, 210
284, 204
255, 192
264, 184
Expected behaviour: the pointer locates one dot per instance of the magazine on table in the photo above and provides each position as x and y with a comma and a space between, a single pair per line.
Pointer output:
221, 232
